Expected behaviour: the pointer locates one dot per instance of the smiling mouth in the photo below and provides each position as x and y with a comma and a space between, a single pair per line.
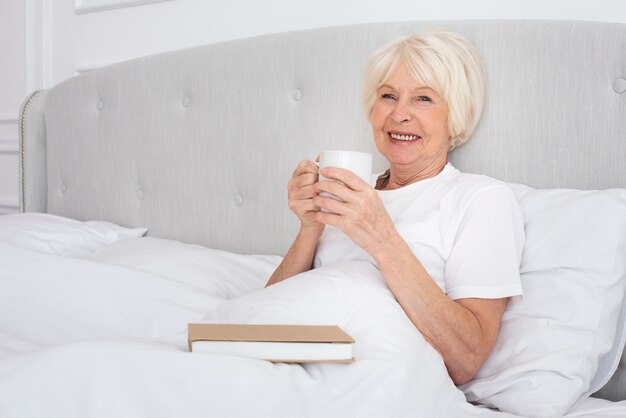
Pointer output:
404, 137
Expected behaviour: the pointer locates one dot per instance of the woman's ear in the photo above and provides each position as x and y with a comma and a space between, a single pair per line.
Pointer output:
451, 143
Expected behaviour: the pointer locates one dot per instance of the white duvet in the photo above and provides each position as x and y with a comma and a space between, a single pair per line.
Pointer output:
105, 336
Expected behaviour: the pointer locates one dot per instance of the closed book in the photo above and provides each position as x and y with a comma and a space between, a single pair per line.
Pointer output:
277, 343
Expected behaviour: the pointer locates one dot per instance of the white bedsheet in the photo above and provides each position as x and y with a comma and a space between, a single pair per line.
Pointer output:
106, 336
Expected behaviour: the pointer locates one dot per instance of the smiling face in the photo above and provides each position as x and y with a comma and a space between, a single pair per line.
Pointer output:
410, 124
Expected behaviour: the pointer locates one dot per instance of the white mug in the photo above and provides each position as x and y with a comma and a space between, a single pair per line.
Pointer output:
360, 163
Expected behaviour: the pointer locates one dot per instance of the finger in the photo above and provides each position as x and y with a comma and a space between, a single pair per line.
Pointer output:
328, 218
305, 206
347, 177
302, 193
331, 204
307, 179
338, 189
306, 166
302, 180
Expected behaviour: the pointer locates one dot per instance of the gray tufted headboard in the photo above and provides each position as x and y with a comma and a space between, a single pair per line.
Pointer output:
198, 144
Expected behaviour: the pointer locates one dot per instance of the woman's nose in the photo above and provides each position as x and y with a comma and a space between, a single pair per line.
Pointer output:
401, 113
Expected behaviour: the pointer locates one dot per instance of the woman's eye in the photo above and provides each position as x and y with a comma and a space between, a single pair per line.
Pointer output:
388, 96
424, 99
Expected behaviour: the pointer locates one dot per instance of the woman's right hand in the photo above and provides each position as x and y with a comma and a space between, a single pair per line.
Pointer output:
301, 194
300, 256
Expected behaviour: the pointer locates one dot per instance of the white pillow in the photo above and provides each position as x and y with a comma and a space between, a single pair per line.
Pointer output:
573, 271
63, 236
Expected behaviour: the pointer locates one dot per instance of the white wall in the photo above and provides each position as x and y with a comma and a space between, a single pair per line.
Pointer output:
43, 42
12, 91
92, 39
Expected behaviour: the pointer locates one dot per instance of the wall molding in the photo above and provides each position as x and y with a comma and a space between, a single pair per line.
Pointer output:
9, 146
88, 6
9, 204
38, 39
8, 118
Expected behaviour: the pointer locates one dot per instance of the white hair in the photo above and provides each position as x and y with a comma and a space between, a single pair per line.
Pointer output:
443, 61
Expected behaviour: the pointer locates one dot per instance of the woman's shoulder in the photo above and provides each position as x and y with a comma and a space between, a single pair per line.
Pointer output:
469, 183
463, 188
486, 198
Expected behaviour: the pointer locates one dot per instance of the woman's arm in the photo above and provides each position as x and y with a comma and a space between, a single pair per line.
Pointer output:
463, 331
301, 192
299, 258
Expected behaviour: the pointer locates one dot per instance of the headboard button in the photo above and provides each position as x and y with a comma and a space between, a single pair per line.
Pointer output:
619, 85
239, 200
140, 194
296, 94
100, 105
185, 101
63, 188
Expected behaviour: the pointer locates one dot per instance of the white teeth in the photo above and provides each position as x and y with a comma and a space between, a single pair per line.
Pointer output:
404, 137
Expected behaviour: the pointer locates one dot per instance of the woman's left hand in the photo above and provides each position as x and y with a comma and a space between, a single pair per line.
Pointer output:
360, 214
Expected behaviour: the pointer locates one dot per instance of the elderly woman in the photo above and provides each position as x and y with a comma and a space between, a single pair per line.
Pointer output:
448, 244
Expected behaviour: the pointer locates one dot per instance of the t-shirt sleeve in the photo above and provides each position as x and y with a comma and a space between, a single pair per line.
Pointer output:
487, 247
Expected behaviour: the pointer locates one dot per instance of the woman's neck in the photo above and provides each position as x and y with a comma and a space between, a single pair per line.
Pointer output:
401, 176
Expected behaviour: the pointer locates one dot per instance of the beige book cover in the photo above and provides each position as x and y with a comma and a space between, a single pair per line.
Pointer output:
290, 343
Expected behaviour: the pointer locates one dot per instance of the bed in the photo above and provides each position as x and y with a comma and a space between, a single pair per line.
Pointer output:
153, 194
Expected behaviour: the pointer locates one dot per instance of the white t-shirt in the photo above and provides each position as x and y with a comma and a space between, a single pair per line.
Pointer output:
467, 231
